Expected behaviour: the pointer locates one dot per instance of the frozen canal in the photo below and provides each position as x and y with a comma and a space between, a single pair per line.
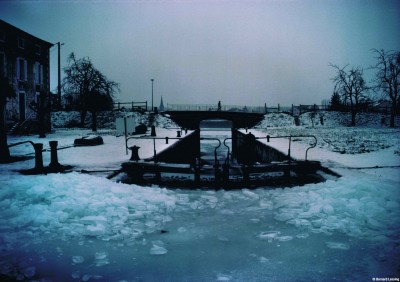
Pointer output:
259, 235
84, 227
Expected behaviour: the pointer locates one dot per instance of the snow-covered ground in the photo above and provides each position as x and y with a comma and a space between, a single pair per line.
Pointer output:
83, 227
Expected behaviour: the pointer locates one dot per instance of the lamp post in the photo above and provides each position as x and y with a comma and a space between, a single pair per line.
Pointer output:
59, 44
152, 108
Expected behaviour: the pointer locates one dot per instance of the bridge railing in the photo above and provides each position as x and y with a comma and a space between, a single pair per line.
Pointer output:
294, 110
132, 105
214, 107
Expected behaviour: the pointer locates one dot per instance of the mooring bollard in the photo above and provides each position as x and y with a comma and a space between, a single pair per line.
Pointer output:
153, 131
54, 158
38, 156
135, 153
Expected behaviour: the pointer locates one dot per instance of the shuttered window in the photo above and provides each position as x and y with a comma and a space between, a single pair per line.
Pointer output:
38, 73
22, 69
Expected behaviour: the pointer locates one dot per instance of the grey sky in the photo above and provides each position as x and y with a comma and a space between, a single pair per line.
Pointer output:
239, 52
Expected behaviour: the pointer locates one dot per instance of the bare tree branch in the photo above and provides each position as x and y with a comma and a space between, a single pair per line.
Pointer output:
387, 78
87, 85
351, 86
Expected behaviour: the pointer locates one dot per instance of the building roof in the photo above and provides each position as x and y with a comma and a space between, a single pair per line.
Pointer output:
6, 25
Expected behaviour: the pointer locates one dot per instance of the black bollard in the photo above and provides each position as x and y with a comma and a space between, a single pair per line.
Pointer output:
54, 164
153, 131
135, 153
38, 156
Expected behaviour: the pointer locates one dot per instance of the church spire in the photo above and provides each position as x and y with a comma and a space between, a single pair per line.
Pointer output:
161, 108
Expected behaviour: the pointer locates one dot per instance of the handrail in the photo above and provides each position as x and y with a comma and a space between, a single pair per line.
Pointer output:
172, 138
20, 143
290, 141
227, 157
151, 138
215, 149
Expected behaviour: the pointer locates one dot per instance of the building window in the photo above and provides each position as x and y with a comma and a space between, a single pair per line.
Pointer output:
38, 50
21, 43
22, 69
38, 73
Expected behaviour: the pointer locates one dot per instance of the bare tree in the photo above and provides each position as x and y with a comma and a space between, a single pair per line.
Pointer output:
86, 84
6, 92
351, 86
388, 78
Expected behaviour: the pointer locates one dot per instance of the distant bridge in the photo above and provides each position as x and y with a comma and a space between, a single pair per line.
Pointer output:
293, 110
192, 119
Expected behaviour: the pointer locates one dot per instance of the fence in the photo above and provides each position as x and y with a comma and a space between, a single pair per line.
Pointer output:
134, 106
294, 110
215, 107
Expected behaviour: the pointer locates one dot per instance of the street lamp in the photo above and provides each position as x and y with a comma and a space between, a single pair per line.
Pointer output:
152, 108
59, 44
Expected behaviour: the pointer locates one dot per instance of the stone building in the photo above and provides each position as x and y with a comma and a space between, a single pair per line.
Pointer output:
25, 61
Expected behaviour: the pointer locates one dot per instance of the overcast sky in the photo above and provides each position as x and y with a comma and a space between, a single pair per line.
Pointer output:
239, 52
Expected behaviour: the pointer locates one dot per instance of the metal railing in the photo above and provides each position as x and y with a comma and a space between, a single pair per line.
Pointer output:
132, 105
167, 141
150, 138
214, 107
290, 141
227, 161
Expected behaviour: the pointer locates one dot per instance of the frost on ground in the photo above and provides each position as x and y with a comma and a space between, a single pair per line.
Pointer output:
105, 119
84, 227
371, 134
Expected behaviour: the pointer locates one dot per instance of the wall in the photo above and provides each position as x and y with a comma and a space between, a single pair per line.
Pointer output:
246, 149
183, 152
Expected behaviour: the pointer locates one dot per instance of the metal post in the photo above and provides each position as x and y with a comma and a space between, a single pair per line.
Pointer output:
154, 148
152, 106
126, 135
59, 75
59, 72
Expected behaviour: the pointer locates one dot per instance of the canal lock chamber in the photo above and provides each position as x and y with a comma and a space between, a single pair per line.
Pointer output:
218, 156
